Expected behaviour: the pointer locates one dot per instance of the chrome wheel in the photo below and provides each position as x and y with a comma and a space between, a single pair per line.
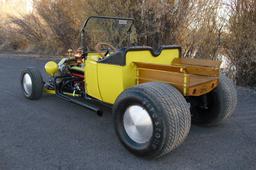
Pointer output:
138, 124
27, 84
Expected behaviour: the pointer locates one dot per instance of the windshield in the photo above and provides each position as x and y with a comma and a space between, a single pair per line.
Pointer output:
118, 32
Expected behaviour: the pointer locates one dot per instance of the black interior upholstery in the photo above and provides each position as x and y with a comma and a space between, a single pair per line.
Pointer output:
119, 57
116, 58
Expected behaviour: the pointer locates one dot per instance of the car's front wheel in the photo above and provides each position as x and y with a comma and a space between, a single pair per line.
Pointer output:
32, 83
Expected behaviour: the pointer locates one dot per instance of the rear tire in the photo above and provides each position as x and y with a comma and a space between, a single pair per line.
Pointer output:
158, 117
221, 103
32, 83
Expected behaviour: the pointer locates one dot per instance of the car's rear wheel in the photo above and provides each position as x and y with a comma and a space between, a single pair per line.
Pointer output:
151, 119
32, 83
216, 106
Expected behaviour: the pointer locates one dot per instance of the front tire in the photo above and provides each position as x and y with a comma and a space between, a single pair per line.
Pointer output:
32, 83
151, 119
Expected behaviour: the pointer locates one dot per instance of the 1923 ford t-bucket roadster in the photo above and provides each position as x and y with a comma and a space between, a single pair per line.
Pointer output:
154, 94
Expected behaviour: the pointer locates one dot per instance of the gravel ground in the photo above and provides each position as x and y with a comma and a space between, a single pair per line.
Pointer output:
51, 134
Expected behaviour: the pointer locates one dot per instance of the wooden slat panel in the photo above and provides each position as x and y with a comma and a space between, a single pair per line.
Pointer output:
144, 80
161, 75
196, 80
153, 80
203, 88
196, 62
201, 79
159, 67
190, 69
204, 71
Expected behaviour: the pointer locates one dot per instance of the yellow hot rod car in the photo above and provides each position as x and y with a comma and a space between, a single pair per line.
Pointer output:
154, 94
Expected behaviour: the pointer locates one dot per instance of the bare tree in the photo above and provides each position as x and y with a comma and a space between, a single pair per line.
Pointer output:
192, 24
240, 42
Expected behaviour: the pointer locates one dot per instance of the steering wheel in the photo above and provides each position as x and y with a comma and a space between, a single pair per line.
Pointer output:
99, 49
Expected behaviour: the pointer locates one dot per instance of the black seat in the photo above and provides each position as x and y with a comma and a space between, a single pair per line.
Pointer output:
116, 58
155, 53
119, 57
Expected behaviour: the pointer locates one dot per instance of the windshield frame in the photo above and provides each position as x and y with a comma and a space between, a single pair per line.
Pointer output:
82, 31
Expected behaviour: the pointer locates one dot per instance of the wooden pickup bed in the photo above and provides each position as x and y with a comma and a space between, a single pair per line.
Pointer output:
192, 77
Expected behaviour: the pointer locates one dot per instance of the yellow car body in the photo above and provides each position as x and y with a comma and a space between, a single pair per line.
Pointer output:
106, 81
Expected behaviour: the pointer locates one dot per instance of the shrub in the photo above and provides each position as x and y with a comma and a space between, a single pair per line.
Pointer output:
240, 43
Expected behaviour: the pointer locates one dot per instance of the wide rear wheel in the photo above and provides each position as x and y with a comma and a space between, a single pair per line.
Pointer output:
216, 106
151, 119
